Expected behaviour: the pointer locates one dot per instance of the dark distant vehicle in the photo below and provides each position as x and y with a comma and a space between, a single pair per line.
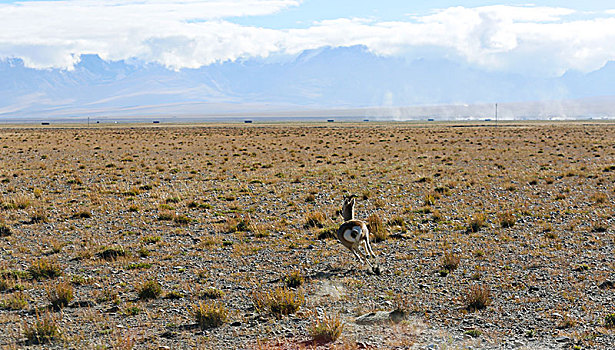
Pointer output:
365, 120
247, 121
488, 119
330, 120
156, 122
430, 120
45, 123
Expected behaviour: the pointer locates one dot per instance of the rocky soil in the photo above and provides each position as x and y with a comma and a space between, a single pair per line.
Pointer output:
522, 212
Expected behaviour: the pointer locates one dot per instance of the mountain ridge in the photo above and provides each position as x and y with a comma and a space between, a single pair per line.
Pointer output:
320, 79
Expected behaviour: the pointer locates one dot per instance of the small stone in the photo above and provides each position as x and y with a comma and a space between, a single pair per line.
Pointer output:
562, 339
236, 324
112, 309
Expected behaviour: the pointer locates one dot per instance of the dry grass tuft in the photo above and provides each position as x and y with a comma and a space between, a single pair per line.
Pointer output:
278, 302
326, 329
210, 314
44, 330
376, 228
60, 295
475, 223
477, 297
149, 290
44, 268
315, 219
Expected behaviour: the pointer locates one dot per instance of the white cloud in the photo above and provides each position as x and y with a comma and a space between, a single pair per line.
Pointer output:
190, 33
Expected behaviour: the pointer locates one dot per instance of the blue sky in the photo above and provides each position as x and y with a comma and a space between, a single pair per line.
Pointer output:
544, 38
391, 10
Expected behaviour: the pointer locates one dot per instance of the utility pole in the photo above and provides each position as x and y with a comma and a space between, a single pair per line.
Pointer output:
496, 114
88, 122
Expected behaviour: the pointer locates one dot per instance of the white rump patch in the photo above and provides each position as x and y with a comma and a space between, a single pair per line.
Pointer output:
352, 235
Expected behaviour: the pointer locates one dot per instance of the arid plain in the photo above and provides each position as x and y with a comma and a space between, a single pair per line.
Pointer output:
220, 236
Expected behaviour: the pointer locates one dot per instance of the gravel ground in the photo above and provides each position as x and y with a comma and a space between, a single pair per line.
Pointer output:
227, 207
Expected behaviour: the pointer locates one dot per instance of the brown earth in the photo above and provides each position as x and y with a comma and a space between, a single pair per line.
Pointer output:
227, 207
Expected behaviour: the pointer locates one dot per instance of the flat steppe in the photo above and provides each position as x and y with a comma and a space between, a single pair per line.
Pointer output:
227, 215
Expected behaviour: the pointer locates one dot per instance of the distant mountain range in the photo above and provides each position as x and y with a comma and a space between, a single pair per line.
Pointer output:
345, 81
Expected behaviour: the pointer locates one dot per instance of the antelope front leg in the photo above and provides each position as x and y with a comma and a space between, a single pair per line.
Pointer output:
357, 252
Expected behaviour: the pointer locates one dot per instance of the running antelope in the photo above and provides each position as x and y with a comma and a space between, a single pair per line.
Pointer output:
352, 233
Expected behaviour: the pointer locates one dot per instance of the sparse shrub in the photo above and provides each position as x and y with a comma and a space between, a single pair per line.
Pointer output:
376, 228
182, 220
39, 216
5, 230
328, 233
174, 294
279, 302
294, 279
397, 221
477, 297
166, 215
132, 311
315, 219
450, 261
566, 322
43, 331
475, 223
507, 219
15, 301
5, 284
82, 214
310, 198
60, 295
112, 253
143, 252
243, 225
133, 208
599, 198
210, 314
149, 239
106, 295
599, 227
609, 321
379, 203
138, 266
149, 290
212, 293
173, 200
44, 269
474, 333
19, 202
430, 199
80, 280
326, 329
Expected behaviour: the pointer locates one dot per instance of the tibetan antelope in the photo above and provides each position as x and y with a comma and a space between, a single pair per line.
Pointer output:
352, 233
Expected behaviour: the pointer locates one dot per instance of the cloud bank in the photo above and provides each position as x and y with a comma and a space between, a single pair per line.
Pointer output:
530, 40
